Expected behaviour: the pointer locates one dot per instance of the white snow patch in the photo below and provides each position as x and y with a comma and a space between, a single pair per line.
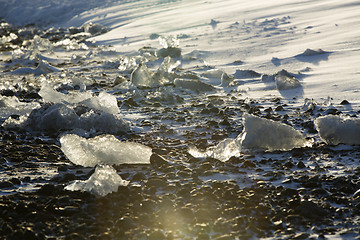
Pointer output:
338, 129
104, 149
103, 181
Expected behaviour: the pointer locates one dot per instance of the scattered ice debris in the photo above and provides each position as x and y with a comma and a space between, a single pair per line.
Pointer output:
169, 42
334, 130
94, 28
71, 44
170, 47
309, 105
41, 44
284, 80
103, 149
43, 68
265, 134
193, 85
103, 181
241, 74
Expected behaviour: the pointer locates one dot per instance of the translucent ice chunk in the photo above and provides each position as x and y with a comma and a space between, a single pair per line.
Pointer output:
104, 149
258, 134
53, 118
142, 77
103, 122
105, 102
42, 68
103, 181
49, 95
265, 134
338, 129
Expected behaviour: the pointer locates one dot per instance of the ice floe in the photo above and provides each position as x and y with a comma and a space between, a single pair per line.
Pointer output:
103, 181
104, 149
334, 130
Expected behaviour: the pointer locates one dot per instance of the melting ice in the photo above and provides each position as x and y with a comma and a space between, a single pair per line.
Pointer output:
104, 149
258, 134
102, 182
338, 129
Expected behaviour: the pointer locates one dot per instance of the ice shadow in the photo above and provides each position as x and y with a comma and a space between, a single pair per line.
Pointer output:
313, 56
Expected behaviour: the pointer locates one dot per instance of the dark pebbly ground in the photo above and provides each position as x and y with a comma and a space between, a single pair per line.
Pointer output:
301, 194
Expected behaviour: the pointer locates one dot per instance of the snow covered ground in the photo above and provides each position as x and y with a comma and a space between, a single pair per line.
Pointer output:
266, 36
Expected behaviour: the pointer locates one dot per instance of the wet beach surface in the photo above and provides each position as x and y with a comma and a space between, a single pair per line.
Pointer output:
299, 194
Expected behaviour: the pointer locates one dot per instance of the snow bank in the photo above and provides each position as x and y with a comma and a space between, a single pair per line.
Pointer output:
338, 129
104, 180
104, 149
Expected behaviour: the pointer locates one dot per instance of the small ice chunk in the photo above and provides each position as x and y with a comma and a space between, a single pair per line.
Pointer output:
104, 149
53, 118
94, 28
193, 84
49, 95
42, 68
103, 122
285, 80
260, 133
103, 181
142, 77
41, 44
338, 129
104, 102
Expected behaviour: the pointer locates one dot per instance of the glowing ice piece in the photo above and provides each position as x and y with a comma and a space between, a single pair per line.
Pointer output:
103, 181
265, 134
338, 129
104, 149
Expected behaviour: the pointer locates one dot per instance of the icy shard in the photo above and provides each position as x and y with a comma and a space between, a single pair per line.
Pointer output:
269, 135
104, 149
338, 129
103, 181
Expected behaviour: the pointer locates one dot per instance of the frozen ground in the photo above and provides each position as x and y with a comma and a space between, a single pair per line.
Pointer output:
182, 79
